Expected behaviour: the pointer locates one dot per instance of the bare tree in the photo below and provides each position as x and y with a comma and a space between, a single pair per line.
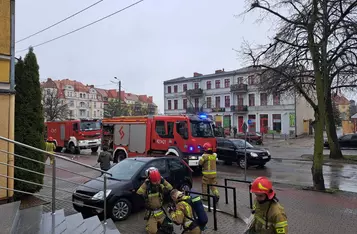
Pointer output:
113, 108
54, 108
312, 53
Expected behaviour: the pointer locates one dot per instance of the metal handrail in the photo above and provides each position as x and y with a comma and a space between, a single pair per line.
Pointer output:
59, 168
52, 154
54, 169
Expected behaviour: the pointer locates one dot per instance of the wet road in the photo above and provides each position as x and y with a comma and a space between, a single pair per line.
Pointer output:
337, 176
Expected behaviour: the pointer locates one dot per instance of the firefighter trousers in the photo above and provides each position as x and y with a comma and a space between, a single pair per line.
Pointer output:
209, 179
152, 223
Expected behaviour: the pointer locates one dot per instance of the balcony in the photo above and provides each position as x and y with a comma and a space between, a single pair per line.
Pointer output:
194, 92
239, 109
239, 88
194, 110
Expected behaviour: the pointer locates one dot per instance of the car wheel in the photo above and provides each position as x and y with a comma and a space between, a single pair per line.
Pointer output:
241, 163
185, 187
72, 148
94, 149
121, 209
119, 156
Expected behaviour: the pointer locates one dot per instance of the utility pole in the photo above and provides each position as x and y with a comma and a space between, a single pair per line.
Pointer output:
119, 91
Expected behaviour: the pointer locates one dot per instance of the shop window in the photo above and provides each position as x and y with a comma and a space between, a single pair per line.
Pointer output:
277, 122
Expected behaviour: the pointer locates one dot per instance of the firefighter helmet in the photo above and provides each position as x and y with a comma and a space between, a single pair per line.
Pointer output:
263, 185
50, 139
207, 147
147, 171
154, 176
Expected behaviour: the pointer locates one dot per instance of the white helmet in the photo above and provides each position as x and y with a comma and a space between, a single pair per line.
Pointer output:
147, 172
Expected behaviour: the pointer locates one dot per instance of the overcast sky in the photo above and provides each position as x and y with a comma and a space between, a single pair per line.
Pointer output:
151, 42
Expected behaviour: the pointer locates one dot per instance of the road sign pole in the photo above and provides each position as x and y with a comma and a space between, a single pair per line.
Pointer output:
245, 128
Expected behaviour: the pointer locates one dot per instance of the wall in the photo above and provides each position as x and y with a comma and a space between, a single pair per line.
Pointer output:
304, 111
347, 127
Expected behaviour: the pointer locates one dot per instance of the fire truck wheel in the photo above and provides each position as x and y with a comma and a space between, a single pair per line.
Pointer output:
73, 149
119, 156
94, 149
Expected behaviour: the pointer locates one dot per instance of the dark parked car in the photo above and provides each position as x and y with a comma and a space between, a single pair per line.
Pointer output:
127, 176
252, 137
346, 141
232, 150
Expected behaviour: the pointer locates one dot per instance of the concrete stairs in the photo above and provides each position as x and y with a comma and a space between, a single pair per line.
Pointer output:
34, 221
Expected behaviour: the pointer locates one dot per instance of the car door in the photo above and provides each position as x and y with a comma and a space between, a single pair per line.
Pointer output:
230, 150
220, 149
354, 141
345, 141
177, 171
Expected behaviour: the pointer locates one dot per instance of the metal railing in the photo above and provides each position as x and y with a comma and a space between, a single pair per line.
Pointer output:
240, 181
54, 177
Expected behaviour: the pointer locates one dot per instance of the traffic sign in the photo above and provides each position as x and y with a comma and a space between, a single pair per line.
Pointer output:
250, 122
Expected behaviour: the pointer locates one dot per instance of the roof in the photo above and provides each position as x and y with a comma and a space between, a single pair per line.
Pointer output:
241, 71
341, 100
354, 116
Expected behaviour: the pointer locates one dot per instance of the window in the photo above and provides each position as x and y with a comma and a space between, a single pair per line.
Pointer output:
169, 104
181, 129
277, 122
196, 86
95, 114
160, 128
175, 104
240, 80
201, 129
227, 82
346, 137
75, 127
227, 101
126, 169
276, 99
71, 103
218, 102
208, 84
228, 144
48, 92
209, 102
89, 125
184, 87
263, 99
160, 164
80, 95
95, 104
197, 102
175, 165
217, 84
82, 113
170, 129
184, 103
251, 99
84, 95
240, 100
169, 89
251, 80
175, 88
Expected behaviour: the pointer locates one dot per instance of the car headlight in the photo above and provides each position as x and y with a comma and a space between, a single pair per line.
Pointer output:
193, 157
268, 152
100, 195
253, 154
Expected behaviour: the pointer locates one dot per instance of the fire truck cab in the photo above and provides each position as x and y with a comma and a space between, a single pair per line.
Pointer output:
181, 136
74, 135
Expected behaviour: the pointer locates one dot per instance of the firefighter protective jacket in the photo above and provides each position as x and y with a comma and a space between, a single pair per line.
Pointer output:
209, 164
50, 147
154, 193
269, 218
183, 215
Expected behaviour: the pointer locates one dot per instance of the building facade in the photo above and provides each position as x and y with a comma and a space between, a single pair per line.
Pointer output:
87, 101
232, 97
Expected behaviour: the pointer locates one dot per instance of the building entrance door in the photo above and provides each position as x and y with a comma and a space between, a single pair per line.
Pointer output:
264, 124
240, 123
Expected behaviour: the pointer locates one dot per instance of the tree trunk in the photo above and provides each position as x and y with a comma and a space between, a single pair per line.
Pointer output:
335, 150
317, 174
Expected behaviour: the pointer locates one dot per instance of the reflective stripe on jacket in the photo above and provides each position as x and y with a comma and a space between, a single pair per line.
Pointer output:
183, 213
50, 147
209, 164
273, 221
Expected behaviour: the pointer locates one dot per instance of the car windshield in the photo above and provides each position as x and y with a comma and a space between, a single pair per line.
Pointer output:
90, 125
240, 143
126, 169
201, 129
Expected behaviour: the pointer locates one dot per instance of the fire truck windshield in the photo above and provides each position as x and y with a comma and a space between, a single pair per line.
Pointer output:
90, 125
201, 129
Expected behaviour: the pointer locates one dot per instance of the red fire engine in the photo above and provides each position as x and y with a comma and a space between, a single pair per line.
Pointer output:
74, 135
181, 136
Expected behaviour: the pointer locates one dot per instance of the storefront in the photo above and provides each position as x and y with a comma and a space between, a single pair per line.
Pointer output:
252, 126
277, 122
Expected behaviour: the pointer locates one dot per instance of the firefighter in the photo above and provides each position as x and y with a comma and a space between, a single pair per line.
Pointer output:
50, 147
208, 162
153, 190
269, 215
183, 214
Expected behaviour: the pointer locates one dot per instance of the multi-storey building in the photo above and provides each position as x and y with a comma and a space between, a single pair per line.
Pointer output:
86, 101
232, 97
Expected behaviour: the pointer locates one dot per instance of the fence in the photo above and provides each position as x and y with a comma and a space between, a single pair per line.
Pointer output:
226, 190
239, 181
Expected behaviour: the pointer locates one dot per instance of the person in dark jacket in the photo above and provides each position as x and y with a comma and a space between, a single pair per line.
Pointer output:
104, 159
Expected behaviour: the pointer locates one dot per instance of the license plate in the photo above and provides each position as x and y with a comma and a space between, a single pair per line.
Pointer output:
265, 157
78, 203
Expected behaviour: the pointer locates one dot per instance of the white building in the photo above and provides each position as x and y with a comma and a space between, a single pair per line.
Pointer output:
233, 97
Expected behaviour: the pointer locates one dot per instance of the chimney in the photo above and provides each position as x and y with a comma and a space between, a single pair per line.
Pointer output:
196, 74
219, 71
